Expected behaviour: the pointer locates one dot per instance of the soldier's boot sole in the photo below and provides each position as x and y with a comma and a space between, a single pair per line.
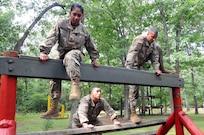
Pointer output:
49, 116
135, 119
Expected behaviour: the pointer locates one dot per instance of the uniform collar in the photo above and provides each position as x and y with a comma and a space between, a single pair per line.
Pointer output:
77, 29
149, 44
92, 102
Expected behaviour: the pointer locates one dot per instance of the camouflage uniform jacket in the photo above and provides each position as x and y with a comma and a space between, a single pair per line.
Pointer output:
68, 38
88, 110
140, 52
161, 61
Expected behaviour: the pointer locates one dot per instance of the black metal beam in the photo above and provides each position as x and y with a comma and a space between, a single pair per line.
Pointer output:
24, 66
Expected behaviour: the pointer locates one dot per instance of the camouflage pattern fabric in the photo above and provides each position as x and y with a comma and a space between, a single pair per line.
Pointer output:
88, 111
158, 47
139, 53
69, 42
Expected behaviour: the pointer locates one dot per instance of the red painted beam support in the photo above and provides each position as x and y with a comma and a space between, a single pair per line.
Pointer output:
177, 109
189, 125
179, 118
167, 126
174, 117
8, 101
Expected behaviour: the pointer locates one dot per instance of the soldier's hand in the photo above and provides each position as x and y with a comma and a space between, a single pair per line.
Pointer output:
117, 123
95, 64
88, 126
43, 57
158, 72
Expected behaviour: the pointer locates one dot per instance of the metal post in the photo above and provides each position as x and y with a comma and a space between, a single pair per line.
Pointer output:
8, 100
177, 109
121, 107
167, 126
189, 125
174, 117
126, 105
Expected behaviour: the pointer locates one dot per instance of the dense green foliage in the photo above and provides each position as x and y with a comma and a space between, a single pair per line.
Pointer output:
113, 24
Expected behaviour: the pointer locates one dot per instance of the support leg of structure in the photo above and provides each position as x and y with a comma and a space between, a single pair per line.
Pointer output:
174, 117
167, 126
8, 101
177, 109
189, 125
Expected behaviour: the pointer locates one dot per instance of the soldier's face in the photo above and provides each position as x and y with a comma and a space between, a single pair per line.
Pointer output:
151, 37
75, 16
96, 94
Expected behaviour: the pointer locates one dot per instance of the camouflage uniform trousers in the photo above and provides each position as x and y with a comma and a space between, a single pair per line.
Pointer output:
71, 61
133, 95
133, 90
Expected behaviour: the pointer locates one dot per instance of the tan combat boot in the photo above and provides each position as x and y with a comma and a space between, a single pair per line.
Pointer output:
75, 91
133, 116
53, 112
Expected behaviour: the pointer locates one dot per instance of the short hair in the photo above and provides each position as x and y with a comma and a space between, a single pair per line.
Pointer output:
153, 30
94, 88
76, 5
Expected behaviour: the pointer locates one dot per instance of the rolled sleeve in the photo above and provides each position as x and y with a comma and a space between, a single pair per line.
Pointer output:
155, 60
83, 111
93, 53
133, 53
52, 38
109, 110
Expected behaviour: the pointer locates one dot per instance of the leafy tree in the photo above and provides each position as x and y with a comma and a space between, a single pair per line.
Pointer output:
8, 30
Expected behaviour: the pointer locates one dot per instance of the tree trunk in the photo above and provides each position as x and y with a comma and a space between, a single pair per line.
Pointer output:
166, 40
126, 105
202, 96
171, 100
143, 99
186, 99
110, 94
194, 97
73, 110
178, 35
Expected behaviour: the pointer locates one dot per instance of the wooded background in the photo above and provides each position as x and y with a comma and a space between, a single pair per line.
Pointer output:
112, 24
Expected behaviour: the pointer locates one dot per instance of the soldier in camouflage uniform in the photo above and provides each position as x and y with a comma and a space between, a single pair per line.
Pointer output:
70, 36
142, 49
89, 108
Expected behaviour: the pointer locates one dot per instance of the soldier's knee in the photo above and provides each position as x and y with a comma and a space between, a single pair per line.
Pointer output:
55, 95
55, 85
70, 61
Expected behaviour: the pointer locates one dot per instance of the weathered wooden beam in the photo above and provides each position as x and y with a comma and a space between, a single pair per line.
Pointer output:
25, 66
99, 129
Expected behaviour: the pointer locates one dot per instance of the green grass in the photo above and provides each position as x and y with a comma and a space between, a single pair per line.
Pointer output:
33, 123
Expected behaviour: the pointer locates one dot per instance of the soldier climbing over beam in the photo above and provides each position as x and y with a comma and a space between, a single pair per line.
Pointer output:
143, 49
70, 36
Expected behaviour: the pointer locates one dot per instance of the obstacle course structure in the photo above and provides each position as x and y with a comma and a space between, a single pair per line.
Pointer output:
13, 66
